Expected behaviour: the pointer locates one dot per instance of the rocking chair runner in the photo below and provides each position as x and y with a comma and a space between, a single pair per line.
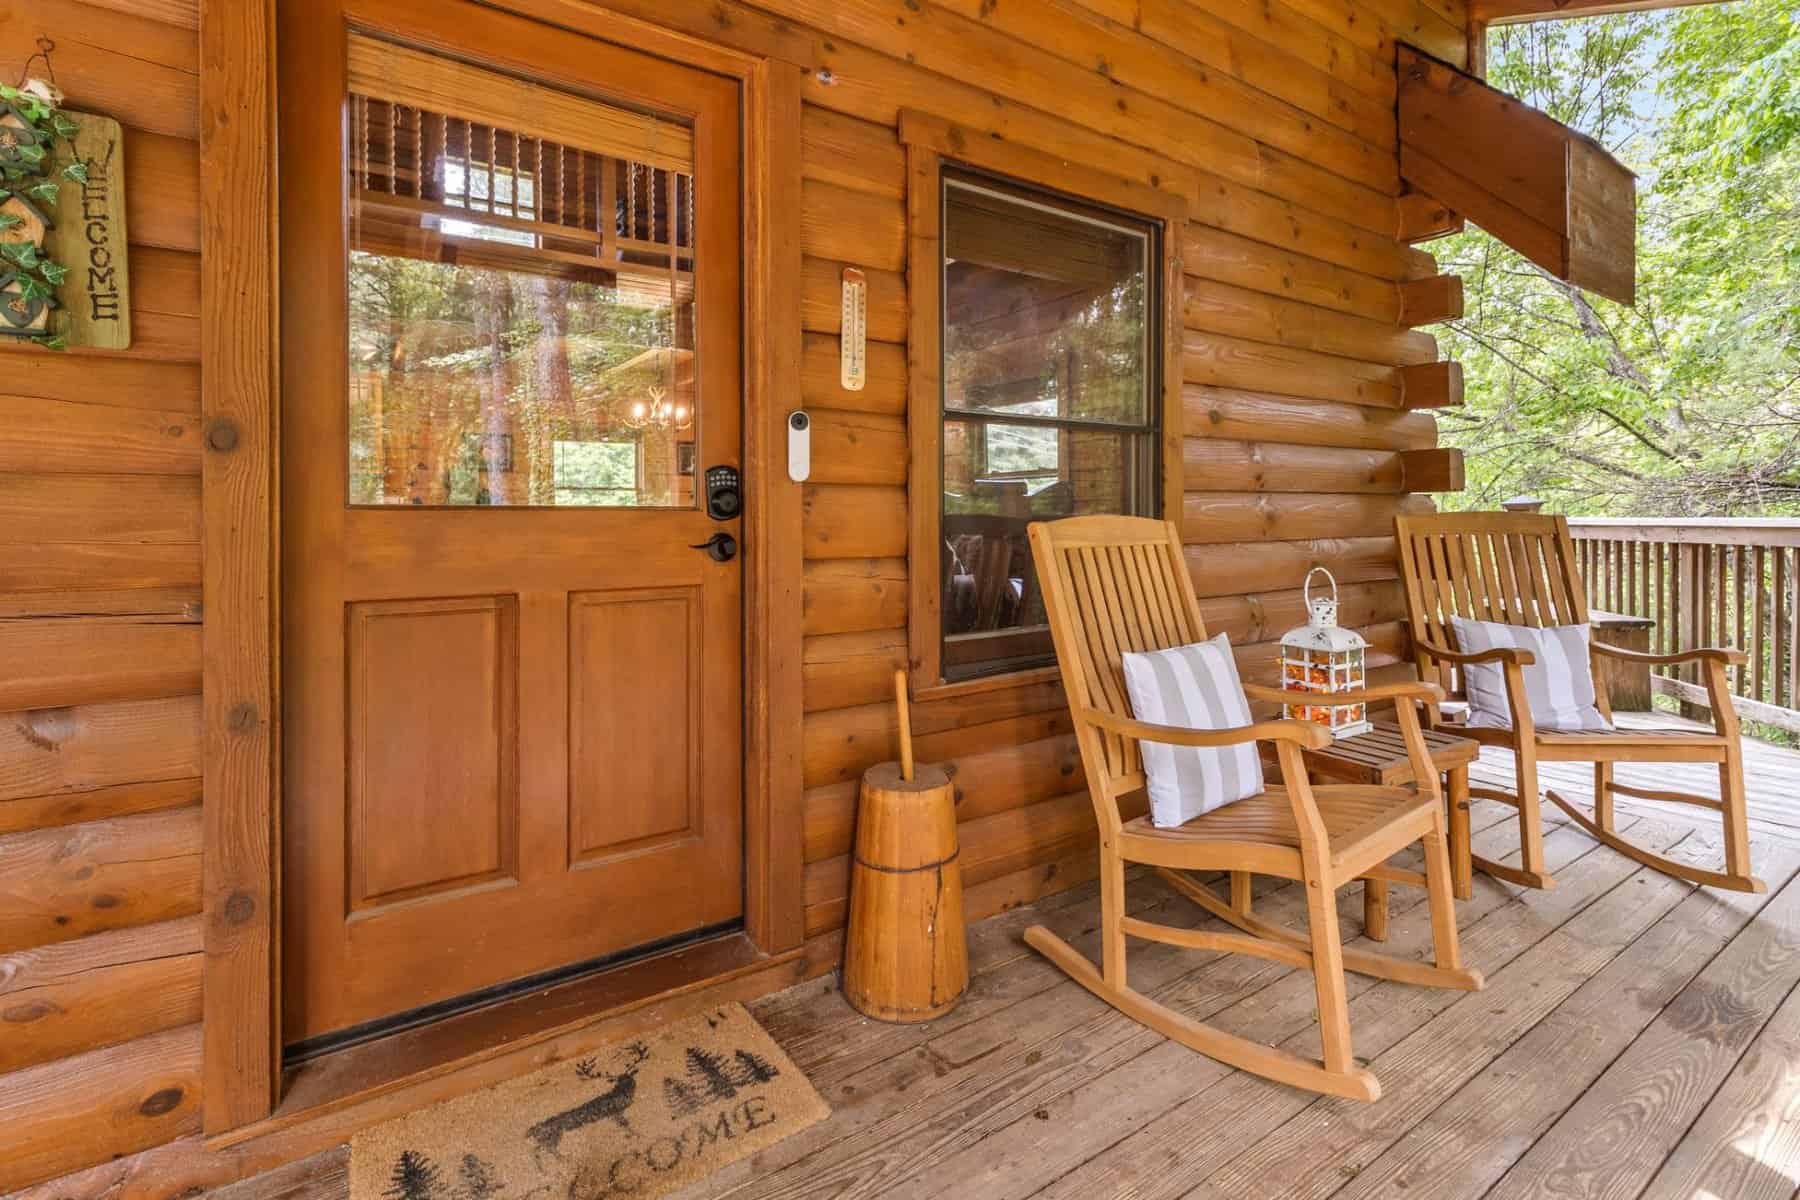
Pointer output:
1519, 569
1113, 585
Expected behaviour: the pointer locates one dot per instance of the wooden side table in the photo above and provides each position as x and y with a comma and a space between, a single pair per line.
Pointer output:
1379, 757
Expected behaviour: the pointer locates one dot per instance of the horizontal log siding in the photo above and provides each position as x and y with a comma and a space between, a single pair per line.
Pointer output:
1292, 408
100, 955
1274, 120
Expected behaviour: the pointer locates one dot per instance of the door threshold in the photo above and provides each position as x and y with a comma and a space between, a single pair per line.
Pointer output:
327, 1099
300, 1053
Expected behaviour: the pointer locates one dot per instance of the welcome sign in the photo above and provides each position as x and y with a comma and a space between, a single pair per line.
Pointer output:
88, 237
630, 1122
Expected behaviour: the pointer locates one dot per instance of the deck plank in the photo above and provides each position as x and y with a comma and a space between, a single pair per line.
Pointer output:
1032, 1152
1008, 1067
1746, 1144
1771, 779
1314, 1153
1613, 1140
1253, 1109
1638, 1037
1466, 1144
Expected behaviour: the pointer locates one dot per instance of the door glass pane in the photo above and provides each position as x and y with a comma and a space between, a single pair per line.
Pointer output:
522, 326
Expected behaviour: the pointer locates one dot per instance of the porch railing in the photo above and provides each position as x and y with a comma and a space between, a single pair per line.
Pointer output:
1729, 582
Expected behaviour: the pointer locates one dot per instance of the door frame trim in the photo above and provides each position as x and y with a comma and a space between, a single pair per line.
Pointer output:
240, 397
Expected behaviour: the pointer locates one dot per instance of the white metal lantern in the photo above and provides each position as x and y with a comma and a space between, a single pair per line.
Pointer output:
1323, 657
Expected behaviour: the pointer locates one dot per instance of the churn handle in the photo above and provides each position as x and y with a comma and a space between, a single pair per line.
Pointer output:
906, 751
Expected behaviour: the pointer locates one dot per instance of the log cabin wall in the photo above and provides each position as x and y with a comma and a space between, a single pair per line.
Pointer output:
1274, 119
100, 612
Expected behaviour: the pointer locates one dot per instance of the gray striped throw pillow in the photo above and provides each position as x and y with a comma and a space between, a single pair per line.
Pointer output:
1193, 687
1559, 685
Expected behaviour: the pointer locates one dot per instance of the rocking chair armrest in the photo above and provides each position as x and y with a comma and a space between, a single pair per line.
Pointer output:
1728, 656
1499, 654
1428, 693
1303, 733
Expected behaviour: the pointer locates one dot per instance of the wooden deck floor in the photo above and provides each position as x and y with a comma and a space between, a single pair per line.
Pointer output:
1638, 1037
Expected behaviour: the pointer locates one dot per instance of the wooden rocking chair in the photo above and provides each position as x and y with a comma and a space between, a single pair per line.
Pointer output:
1117, 584
1520, 569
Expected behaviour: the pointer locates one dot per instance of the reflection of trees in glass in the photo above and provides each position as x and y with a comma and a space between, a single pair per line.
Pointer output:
1078, 352
1022, 450
451, 363
604, 473
1060, 349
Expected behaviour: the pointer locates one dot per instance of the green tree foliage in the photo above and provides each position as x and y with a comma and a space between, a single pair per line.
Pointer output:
1689, 404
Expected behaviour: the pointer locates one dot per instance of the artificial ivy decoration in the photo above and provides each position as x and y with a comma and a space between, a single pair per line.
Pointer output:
30, 125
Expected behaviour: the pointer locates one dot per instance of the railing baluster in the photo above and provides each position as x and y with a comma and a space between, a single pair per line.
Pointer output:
1699, 556
1662, 601
1717, 634
1759, 628
1631, 557
1794, 633
1622, 592
1719, 582
1737, 585
1777, 655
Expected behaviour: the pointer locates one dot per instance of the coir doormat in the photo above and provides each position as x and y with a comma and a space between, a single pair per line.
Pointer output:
638, 1120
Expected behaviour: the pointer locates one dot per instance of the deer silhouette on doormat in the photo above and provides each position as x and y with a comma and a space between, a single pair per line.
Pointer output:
610, 1105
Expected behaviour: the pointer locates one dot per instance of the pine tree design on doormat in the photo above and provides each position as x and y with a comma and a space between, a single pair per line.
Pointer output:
637, 1120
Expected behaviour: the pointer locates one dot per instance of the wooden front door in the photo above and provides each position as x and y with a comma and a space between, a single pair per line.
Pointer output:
511, 347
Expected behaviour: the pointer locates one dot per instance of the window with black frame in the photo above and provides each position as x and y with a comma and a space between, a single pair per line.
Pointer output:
1051, 386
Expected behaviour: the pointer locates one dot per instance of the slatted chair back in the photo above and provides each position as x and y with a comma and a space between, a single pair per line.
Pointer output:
1513, 568
1111, 585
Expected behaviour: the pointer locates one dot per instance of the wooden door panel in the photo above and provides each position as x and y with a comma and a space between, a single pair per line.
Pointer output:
634, 777
433, 747
511, 346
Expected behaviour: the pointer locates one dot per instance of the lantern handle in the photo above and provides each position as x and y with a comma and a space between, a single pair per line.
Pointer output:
1306, 588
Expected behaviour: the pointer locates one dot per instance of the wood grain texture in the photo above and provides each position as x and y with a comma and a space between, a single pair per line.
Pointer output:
958, 48
99, 508
851, 153
884, 378
68, 1114
65, 999
118, 380
62, 436
1237, 415
1559, 1059
236, 121
1278, 120
1220, 360
53, 751
1743, 1144
854, 594
138, 577
1644, 1102
774, 825
73, 808
77, 880
61, 662
1215, 254
128, 65
906, 954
